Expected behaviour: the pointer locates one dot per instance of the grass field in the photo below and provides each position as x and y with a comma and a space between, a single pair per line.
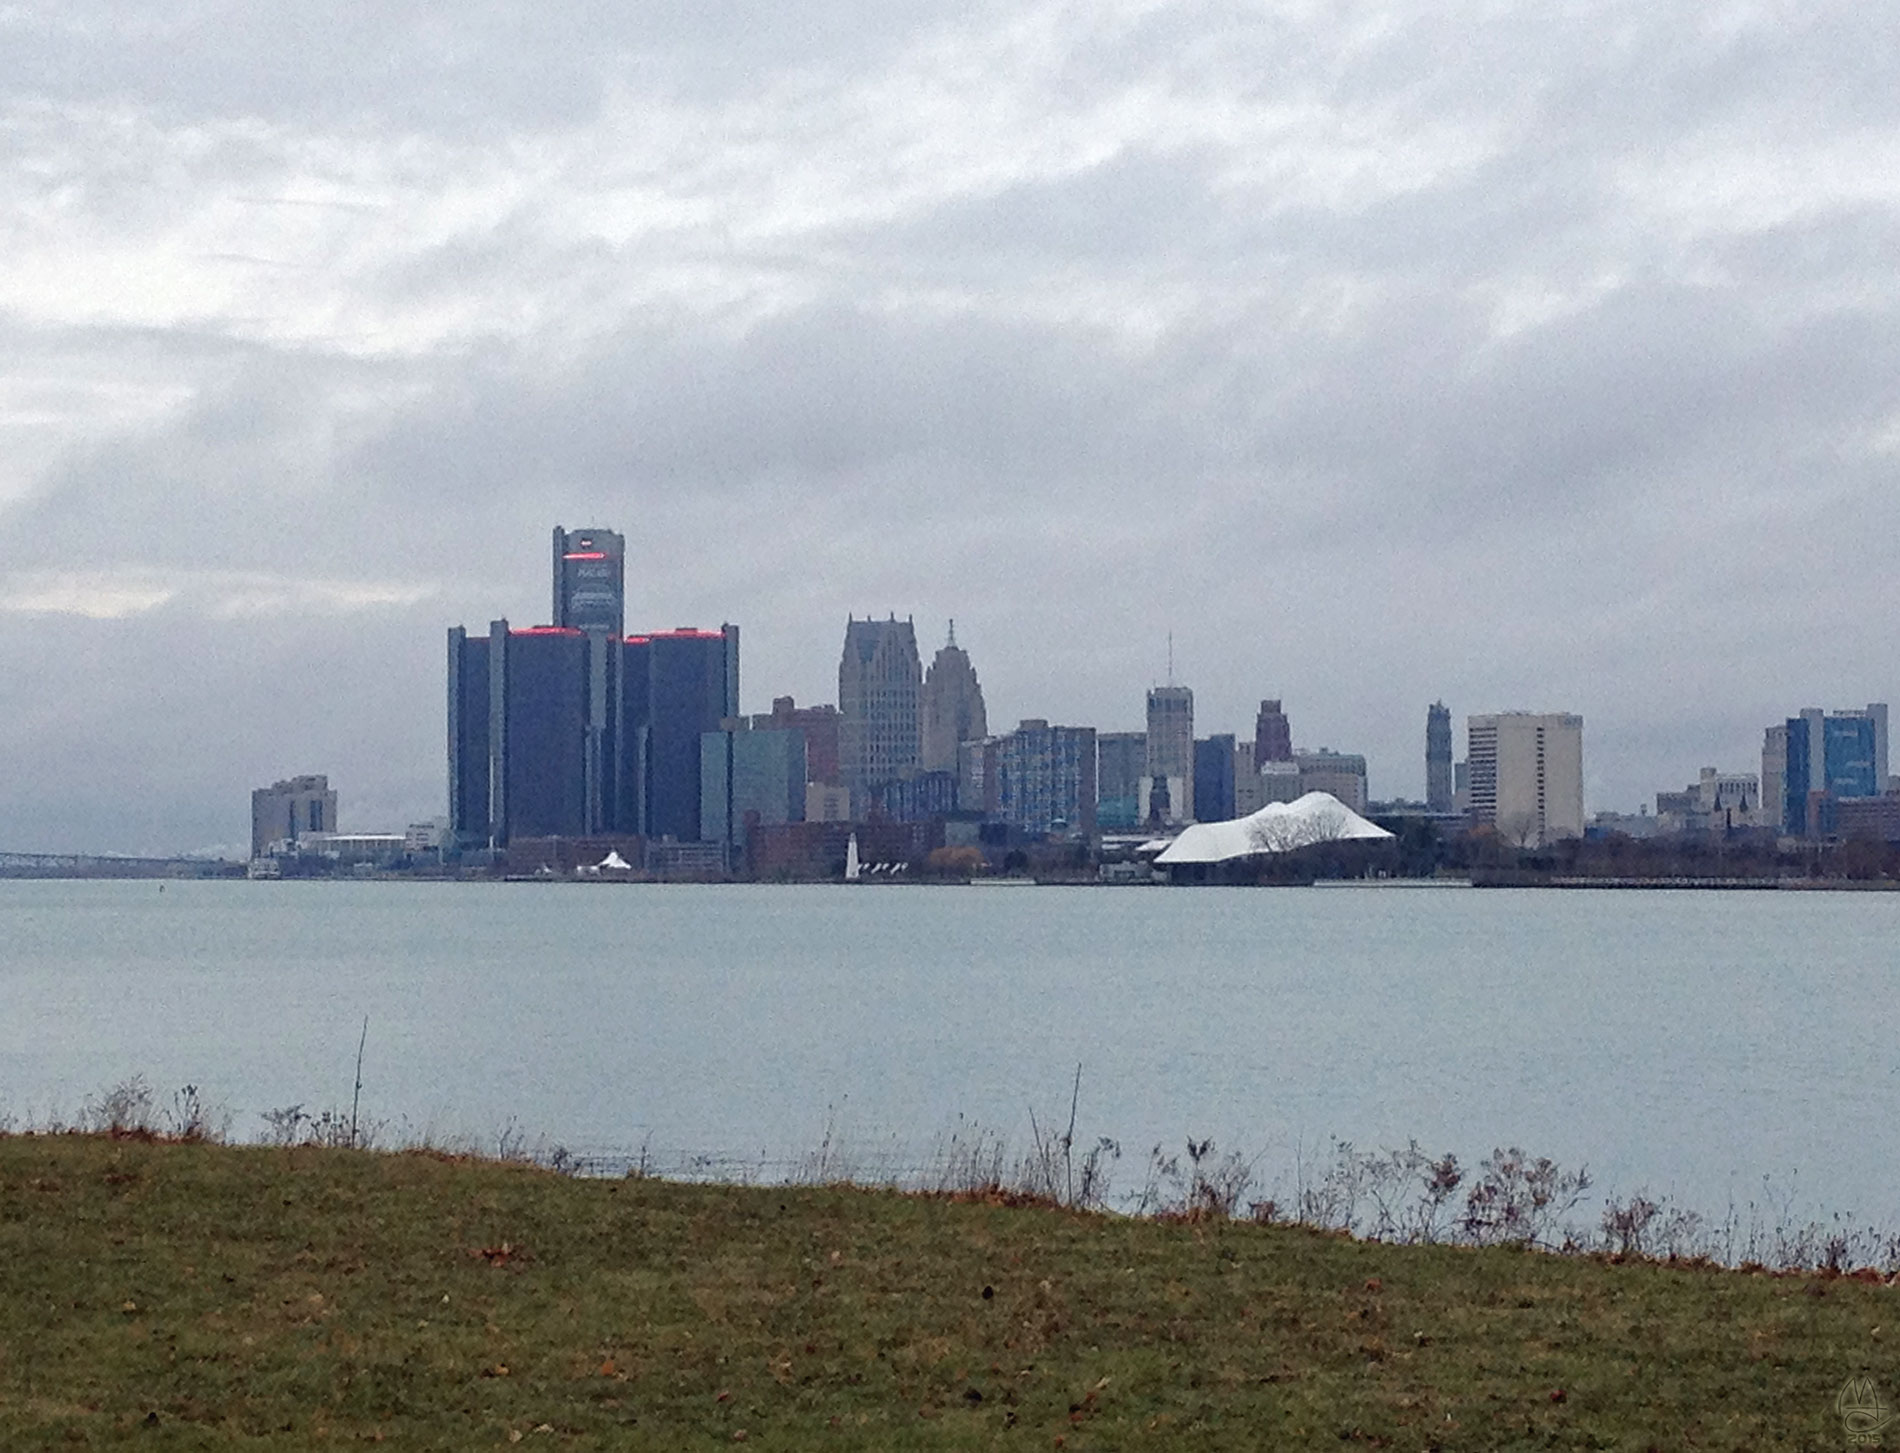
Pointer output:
173, 1296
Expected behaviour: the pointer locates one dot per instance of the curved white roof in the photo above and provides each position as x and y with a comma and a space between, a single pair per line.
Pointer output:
1279, 827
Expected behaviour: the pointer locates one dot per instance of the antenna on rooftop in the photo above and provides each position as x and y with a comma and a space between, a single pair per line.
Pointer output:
953, 631
1170, 658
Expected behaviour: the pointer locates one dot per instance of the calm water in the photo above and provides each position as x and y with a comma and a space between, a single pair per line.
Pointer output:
1687, 1043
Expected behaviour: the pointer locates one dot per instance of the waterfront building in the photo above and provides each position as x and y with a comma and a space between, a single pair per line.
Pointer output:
1875, 819
1715, 802
1439, 791
1525, 771
285, 811
820, 726
1214, 778
919, 797
1338, 774
977, 767
1272, 735
1046, 779
1829, 756
692, 686
1280, 782
1774, 774
827, 802
1121, 762
590, 581
1167, 786
538, 728
354, 849
880, 686
469, 747
571, 730
518, 734
1250, 793
749, 776
951, 706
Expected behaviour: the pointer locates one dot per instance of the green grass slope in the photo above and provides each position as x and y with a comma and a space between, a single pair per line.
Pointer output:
172, 1296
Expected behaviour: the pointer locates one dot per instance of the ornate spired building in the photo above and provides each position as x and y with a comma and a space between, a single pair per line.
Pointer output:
880, 683
952, 707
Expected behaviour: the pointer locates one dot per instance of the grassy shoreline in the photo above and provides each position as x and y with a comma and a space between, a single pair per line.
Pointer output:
196, 1295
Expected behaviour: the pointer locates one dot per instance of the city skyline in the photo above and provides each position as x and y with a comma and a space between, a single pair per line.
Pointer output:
609, 620
1381, 356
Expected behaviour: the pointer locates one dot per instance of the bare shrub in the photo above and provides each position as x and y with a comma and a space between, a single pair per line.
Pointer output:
191, 1118
831, 1163
971, 1162
1207, 1187
1626, 1225
1520, 1201
125, 1109
284, 1126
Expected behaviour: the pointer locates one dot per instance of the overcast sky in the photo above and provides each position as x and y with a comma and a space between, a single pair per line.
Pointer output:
1536, 357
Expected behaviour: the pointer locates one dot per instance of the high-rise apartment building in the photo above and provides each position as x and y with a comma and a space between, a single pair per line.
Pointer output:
1438, 774
287, 810
1526, 775
1272, 735
952, 707
590, 592
1046, 779
880, 685
1167, 787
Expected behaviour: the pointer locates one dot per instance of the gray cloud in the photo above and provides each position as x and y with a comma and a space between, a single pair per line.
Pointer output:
1379, 354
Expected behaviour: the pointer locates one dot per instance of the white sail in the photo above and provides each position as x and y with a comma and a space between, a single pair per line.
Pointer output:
852, 866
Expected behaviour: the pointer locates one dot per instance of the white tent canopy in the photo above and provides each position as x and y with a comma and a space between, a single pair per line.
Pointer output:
1279, 827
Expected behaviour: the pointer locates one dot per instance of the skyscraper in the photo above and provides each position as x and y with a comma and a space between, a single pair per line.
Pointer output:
1438, 778
569, 730
1168, 786
538, 693
469, 752
1526, 775
590, 580
952, 706
674, 687
1829, 756
1121, 762
1214, 778
1272, 735
880, 683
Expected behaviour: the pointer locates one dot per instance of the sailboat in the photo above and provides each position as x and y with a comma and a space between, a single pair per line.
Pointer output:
853, 867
